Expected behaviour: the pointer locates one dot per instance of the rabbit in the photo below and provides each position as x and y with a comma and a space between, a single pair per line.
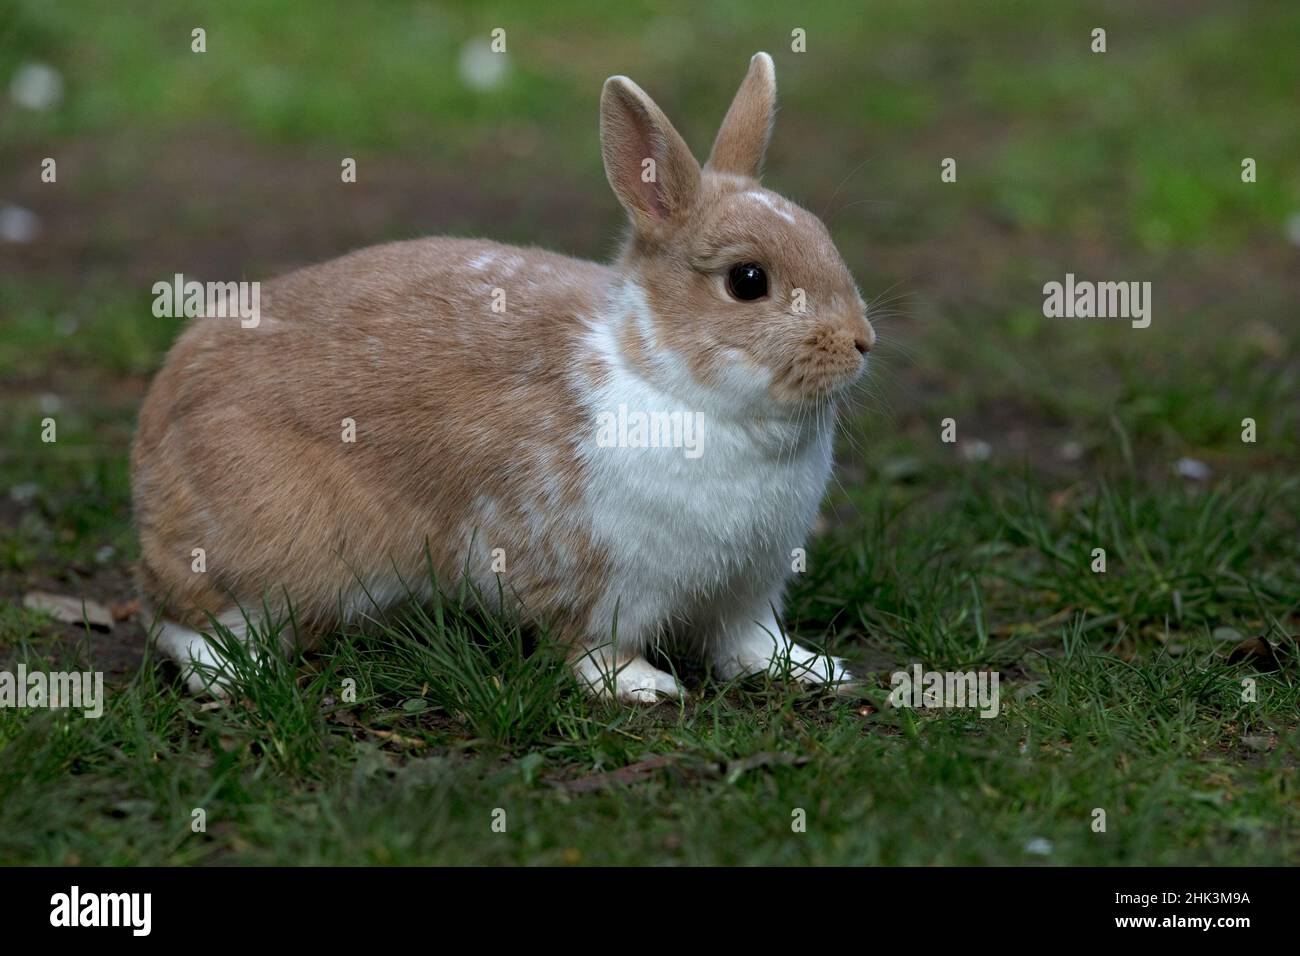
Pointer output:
497, 398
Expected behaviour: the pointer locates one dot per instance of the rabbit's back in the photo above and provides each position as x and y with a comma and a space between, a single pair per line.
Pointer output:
407, 396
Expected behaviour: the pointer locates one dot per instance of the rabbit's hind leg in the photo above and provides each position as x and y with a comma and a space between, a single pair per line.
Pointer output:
204, 665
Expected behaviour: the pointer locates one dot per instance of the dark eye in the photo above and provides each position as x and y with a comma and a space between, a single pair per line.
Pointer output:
747, 282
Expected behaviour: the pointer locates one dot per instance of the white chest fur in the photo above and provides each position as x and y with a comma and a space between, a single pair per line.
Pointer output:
697, 507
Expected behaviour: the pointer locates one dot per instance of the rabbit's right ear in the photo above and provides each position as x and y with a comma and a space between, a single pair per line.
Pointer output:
742, 140
649, 166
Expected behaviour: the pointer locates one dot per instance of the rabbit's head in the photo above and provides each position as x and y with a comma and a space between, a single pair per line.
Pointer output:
740, 293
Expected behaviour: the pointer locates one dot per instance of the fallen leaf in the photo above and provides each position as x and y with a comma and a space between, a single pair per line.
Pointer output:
632, 773
121, 610
344, 717
398, 738
1256, 651
70, 610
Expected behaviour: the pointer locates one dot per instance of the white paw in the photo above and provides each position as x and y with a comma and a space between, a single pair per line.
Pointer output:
783, 659
822, 669
202, 666
636, 680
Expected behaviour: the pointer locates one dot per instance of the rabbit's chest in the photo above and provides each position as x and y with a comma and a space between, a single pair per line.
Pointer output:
722, 506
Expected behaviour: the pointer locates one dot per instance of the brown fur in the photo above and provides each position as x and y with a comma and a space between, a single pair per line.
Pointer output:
239, 448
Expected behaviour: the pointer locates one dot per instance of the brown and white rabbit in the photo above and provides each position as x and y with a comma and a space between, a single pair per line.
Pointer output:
482, 381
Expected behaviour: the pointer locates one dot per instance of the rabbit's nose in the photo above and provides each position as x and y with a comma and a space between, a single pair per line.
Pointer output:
865, 338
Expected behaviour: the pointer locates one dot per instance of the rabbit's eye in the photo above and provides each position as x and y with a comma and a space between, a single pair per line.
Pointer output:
747, 282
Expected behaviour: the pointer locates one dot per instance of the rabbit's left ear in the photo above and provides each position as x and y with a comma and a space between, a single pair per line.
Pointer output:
649, 167
742, 140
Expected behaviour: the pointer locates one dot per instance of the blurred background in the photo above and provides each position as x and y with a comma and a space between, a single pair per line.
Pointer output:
1120, 690
1123, 165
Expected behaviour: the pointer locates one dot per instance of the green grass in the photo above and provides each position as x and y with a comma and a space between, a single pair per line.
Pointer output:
1124, 701
1120, 691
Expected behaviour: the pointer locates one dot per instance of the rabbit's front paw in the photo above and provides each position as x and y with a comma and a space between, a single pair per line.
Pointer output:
635, 680
761, 653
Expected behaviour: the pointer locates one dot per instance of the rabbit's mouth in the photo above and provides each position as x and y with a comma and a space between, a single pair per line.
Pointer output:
798, 395
825, 367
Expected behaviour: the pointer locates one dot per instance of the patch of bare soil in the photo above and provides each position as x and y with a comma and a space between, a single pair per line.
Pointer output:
211, 204
117, 652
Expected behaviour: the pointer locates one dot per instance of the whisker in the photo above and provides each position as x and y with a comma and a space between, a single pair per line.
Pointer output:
852, 173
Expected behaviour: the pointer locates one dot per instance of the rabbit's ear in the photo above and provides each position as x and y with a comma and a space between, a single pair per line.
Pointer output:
742, 140
650, 168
